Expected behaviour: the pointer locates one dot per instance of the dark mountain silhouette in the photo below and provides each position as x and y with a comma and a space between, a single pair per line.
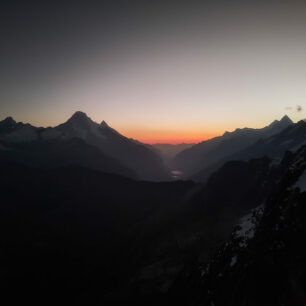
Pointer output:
74, 230
14, 132
230, 193
289, 139
264, 261
57, 153
69, 216
86, 237
216, 150
115, 148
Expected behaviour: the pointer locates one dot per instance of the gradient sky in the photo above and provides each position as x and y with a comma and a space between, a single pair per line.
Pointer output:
157, 71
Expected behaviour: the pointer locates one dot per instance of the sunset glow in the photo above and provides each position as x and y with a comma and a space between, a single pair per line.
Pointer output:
157, 76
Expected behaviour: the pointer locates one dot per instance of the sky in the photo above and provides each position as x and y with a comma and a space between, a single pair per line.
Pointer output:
156, 71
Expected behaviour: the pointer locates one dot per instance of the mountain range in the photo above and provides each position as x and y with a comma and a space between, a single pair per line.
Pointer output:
201, 160
81, 225
84, 142
80, 141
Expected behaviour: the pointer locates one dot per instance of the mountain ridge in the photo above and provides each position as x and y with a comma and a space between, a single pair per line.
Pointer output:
208, 152
288, 139
138, 157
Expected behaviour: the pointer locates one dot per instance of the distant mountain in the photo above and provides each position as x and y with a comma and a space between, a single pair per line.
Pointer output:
145, 163
289, 139
168, 151
14, 132
210, 152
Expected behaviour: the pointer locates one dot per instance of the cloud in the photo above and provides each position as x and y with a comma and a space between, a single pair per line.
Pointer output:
288, 107
299, 108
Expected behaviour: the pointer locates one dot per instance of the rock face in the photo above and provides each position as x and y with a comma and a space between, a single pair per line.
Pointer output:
218, 150
172, 275
263, 263
114, 153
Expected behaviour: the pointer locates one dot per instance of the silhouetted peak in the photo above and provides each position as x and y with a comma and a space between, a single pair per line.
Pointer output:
104, 124
79, 116
286, 120
9, 120
274, 123
105, 127
8, 123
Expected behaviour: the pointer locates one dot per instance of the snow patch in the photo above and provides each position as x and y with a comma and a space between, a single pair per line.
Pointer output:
247, 226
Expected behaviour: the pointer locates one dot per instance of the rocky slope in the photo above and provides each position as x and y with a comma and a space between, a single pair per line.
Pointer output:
264, 261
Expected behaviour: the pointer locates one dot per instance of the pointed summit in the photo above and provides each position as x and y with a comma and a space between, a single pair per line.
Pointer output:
78, 123
286, 120
9, 120
78, 115
80, 119
107, 130
104, 124
8, 124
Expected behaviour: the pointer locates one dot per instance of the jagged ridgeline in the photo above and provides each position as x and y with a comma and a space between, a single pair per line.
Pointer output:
201, 160
79, 141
